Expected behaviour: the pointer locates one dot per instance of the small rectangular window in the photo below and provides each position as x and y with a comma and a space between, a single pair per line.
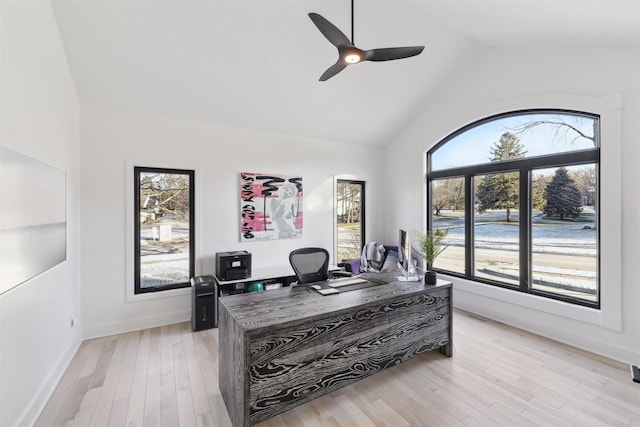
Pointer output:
164, 228
349, 218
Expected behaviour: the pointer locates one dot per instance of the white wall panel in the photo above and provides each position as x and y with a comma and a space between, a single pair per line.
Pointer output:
39, 118
113, 141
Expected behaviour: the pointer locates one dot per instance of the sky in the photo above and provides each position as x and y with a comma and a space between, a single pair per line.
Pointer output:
473, 146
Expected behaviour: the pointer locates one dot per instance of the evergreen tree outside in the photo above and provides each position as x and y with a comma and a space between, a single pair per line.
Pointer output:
538, 186
501, 191
562, 196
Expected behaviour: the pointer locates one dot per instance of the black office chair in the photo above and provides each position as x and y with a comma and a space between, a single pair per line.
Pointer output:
312, 265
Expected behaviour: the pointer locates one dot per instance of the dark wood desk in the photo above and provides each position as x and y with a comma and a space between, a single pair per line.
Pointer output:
281, 348
277, 276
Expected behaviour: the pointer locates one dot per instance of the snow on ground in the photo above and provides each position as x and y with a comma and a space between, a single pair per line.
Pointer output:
549, 236
497, 244
551, 276
164, 262
164, 270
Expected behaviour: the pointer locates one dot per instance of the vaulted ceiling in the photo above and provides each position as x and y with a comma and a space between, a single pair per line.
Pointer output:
256, 64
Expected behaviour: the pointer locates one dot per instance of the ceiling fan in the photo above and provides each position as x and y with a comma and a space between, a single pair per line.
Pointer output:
349, 54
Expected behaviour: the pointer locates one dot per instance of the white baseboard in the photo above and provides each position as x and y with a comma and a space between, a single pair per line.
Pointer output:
606, 349
33, 410
113, 328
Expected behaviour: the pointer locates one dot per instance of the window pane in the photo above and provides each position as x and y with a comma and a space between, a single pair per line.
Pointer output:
448, 202
554, 245
350, 219
564, 231
538, 133
164, 211
496, 233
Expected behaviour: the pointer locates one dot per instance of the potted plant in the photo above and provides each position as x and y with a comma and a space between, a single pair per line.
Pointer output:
430, 247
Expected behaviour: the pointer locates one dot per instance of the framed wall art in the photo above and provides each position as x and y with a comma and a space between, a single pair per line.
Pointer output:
270, 206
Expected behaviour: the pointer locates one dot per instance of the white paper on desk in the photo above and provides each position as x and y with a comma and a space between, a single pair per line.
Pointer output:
329, 291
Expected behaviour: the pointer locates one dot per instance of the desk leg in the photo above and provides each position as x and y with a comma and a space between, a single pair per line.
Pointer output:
447, 349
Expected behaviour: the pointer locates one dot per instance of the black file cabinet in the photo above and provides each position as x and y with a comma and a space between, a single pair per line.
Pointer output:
204, 303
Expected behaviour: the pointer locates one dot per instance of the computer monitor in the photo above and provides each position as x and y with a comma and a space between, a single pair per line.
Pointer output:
405, 265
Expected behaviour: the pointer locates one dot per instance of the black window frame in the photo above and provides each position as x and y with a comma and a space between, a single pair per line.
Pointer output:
137, 171
524, 167
363, 209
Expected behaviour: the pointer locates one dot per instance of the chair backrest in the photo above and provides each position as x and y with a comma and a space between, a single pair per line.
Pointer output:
310, 264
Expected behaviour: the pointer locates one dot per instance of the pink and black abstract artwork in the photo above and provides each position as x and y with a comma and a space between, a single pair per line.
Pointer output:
270, 206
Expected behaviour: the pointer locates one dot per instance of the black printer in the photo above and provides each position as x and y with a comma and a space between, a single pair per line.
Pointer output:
233, 265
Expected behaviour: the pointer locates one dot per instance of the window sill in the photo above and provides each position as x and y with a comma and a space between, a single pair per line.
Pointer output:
566, 310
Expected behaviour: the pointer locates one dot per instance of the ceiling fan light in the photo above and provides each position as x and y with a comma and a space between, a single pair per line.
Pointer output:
352, 58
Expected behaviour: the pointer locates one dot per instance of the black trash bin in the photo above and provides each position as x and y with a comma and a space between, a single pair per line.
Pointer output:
204, 303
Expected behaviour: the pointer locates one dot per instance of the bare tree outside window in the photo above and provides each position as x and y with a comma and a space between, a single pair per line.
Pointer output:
531, 209
164, 228
448, 205
349, 219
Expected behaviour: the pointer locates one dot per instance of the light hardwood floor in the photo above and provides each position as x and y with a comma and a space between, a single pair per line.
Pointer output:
498, 376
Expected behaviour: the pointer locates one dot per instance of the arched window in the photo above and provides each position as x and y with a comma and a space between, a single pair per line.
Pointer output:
518, 193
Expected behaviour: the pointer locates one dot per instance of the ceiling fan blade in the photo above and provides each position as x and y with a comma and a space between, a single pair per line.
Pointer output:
330, 31
333, 70
391, 53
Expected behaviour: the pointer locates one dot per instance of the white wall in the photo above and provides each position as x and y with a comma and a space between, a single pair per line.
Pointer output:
605, 80
39, 118
113, 141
